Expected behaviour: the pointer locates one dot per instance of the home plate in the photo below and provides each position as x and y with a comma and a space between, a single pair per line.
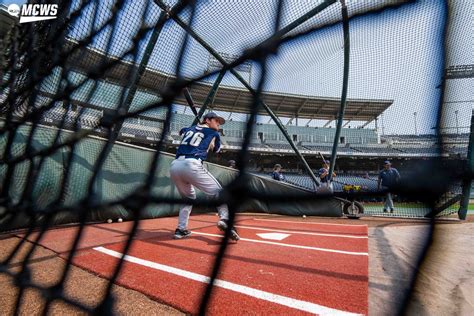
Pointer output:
273, 236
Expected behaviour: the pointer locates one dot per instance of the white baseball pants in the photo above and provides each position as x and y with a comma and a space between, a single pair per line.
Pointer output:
187, 173
388, 203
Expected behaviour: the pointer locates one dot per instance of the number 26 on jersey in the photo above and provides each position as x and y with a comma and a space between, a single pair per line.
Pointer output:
193, 139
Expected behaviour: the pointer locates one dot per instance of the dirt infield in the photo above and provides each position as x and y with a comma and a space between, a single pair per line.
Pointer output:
46, 268
444, 286
446, 279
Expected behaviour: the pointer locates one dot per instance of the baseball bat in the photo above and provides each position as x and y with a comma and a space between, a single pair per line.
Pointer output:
190, 101
322, 157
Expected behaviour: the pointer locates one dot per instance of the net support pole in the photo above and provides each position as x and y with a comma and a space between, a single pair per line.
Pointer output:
345, 84
467, 182
210, 97
273, 39
291, 142
464, 203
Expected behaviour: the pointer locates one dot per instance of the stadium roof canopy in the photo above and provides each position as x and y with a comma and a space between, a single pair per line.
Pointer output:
228, 98
234, 99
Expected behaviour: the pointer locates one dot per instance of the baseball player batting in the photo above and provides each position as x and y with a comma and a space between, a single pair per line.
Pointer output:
187, 170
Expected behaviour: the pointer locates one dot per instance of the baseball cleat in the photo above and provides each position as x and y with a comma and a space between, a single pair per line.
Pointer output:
222, 224
234, 235
181, 233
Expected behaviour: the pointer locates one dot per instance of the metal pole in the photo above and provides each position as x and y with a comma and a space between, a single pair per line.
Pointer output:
273, 38
345, 85
383, 126
414, 115
457, 125
210, 97
466, 186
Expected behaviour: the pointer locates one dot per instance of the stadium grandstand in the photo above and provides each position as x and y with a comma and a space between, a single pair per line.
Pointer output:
361, 150
362, 146
360, 141
355, 143
231, 101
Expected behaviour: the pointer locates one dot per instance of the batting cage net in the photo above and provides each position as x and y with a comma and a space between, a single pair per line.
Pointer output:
93, 100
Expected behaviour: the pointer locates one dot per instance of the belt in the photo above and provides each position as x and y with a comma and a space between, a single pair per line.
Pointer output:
189, 157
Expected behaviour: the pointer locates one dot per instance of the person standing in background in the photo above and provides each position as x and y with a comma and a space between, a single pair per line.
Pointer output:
324, 172
388, 178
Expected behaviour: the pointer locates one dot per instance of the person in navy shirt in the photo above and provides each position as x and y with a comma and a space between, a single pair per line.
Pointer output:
187, 170
388, 178
277, 174
324, 172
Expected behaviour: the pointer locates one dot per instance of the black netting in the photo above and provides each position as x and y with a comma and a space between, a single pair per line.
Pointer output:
92, 102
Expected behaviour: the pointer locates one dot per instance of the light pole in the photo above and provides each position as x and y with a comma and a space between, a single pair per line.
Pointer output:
457, 125
414, 115
383, 126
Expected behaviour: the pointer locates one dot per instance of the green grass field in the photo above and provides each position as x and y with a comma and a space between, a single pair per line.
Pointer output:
410, 209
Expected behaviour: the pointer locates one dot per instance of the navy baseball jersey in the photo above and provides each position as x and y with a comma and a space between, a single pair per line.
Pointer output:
278, 176
326, 177
197, 140
389, 177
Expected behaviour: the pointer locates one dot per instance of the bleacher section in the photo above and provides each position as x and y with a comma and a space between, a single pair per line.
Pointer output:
429, 145
305, 181
301, 181
283, 146
87, 119
328, 148
419, 150
380, 149
456, 144
429, 138
268, 138
367, 184
457, 150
